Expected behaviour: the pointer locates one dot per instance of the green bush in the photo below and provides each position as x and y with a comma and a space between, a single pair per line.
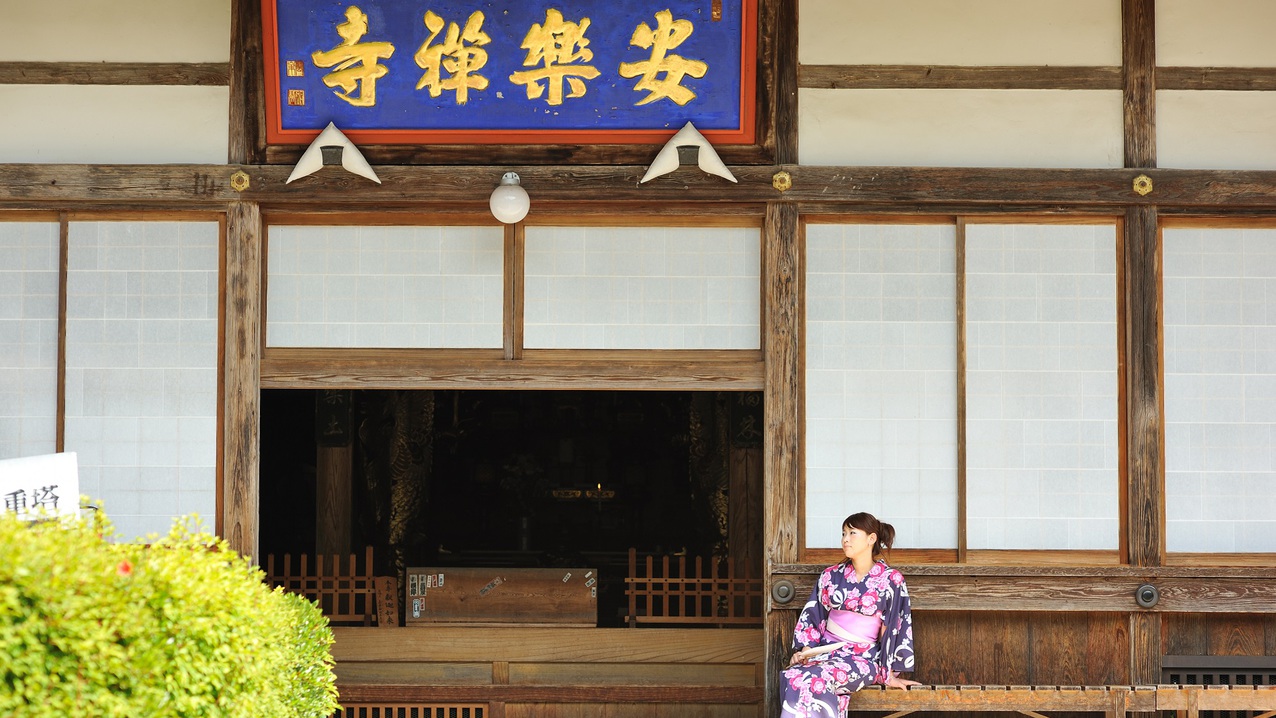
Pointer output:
182, 627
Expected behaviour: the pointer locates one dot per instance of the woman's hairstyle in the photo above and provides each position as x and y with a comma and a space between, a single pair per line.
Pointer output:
869, 524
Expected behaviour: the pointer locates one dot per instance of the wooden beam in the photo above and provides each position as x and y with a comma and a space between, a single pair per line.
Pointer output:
957, 77
783, 62
960, 313
242, 403
1199, 572
1216, 78
1055, 594
545, 695
489, 369
1145, 497
64, 234
247, 115
782, 279
214, 74
1138, 58
136, 187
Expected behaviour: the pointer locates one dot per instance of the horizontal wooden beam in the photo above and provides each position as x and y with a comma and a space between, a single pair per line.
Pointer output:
517, 644
958, 77
48, 186
488, 369
1026, 77
1111, 700
1062, 590
115, 73
1073, 571
722, 695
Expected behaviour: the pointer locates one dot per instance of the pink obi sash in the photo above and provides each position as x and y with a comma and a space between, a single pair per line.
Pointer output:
852, 626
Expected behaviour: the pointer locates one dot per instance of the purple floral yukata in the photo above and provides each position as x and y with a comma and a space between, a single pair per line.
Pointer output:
822, 688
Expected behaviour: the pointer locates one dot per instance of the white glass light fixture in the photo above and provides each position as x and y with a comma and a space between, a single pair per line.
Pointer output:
509, 200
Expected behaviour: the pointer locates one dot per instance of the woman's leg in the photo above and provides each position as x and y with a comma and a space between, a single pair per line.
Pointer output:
818, 690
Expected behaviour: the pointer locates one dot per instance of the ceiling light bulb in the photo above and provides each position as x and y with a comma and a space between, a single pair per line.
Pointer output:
509, 200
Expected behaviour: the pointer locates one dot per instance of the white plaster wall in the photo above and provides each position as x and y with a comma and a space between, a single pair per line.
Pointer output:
106, 124
959, 32
1215, 33
115, 30
960, 128
1202, 129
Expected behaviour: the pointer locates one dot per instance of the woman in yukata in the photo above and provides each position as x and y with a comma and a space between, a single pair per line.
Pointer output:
856, 630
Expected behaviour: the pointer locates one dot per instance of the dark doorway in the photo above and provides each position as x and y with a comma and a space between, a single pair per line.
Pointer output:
515, 478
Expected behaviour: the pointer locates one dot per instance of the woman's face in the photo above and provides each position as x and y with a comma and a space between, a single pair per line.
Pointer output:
856, 543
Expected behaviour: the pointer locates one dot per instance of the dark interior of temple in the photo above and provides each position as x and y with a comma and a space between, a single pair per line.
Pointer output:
513, 478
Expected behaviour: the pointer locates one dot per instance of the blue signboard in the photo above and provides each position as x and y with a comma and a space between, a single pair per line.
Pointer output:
486, 71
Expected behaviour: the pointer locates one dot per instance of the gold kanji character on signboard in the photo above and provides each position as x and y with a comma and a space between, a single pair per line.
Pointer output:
557, 44
464, 59
356, 62
669, 33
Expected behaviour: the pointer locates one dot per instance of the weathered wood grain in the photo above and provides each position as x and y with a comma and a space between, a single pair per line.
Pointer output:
241, 408
1138, 60
1234, 635
576, 693
943, 647
247, 113
782, 273
545, 645
958, 77
993, 190
1004, 655
1145, 648
115, 73
488, 369
1216, 78
1144, 422
1184, 635
1005, 698
1066, 593
781, 60
1107, 649
1058, 648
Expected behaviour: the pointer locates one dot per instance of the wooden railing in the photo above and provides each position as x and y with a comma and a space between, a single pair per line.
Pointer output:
662, 591
347, 595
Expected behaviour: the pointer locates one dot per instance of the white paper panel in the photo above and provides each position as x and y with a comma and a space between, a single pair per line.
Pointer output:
881, 381
1042, 450
1220, 389
28, 338
141, 369
643, 288
414, 287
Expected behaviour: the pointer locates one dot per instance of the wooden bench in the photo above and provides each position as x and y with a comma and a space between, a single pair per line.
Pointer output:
1033, 701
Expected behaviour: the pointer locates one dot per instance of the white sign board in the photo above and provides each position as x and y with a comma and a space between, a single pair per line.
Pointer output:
33, 485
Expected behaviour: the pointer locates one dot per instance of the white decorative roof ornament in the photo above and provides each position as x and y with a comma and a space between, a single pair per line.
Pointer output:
351, 158
667, 160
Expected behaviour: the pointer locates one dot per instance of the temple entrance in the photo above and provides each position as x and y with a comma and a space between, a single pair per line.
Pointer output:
514, 479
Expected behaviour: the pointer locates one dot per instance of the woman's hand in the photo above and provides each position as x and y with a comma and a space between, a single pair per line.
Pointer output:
796, 659
896, 682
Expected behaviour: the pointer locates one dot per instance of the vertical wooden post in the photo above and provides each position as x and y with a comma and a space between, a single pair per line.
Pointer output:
1145, 497
959, 258
242, 377
784, 65
1138, 58
515, 253
246, 119
333, 472
783, 406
